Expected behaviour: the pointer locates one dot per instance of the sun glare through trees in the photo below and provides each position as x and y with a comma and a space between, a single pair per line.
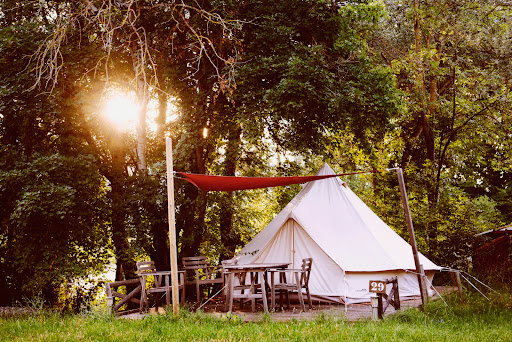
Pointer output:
121, 110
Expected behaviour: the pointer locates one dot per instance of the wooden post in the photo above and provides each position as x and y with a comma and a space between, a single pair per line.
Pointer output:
173, 250
375, 307
412, 238
396, 300
424, 287
459, 286
380, 306
110, 299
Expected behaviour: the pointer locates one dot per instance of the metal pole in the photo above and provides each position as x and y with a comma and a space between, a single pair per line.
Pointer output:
412, 238
172, 228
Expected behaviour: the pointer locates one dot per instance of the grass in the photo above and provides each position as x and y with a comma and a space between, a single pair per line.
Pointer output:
476, 320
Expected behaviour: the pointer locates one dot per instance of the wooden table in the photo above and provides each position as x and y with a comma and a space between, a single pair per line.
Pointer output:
259, 271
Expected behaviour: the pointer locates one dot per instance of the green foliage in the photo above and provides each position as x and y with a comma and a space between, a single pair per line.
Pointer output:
53, 226
304, 77
453, 125
53, 211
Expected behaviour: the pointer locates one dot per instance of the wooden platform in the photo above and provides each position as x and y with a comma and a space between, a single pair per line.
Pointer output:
352, 312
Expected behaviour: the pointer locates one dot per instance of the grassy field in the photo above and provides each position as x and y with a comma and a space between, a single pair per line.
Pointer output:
477, 320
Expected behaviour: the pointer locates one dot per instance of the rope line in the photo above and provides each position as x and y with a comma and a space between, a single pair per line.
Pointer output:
175, 173
449, 269
476, 288
433, 288
490, 288
211, 297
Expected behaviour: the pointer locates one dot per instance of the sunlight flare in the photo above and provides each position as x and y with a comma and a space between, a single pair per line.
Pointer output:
121, 110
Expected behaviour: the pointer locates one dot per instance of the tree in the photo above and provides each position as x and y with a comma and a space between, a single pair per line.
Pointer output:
137, 39
53, 205
303, 78
294, 88
452, 64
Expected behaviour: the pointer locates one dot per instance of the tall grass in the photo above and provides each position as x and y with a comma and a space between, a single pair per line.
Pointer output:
475, 320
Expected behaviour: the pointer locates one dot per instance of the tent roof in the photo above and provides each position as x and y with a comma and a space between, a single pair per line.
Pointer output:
347, 230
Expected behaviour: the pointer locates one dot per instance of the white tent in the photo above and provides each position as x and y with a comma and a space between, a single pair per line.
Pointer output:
350, 245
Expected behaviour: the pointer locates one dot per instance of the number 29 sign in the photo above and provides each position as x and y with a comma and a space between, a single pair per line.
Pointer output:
377, 286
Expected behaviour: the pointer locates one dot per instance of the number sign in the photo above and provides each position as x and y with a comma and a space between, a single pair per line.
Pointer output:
377, 286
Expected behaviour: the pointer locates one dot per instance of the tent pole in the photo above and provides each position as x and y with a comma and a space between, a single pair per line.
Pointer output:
293, 244
345, 286
412, 238
172, 227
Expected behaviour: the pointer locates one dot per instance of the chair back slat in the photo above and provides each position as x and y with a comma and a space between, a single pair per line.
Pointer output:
306, 271
198, 272
145, 267
194, 262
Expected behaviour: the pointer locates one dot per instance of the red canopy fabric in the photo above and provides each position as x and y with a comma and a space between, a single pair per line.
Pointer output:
231, 183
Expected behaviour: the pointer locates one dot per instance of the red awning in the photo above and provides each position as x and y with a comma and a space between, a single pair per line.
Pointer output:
231, 183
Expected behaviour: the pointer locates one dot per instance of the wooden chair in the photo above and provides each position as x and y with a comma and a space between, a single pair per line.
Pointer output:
226, 276
162, 285
239, 277
199, 273
298, 280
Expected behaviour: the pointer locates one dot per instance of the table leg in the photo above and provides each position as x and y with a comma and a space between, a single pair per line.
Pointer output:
142, 293
183, 281
231, 289
198, 287
254, 282
168, 291
263, 292
299, 291
272, 292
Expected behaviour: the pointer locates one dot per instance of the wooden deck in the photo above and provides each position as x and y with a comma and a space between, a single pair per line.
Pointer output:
352, 312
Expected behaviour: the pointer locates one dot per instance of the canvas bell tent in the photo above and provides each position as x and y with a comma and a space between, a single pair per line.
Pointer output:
350, 245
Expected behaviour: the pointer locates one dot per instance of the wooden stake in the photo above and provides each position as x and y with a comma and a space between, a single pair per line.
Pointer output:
459, 286
173, 250
412, 238
423, 287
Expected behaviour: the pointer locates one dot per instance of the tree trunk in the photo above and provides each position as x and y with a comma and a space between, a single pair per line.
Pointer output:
201, 201
142, 101
125, 263
160, 252
190, 236
141, 134
228, 236
193, 210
